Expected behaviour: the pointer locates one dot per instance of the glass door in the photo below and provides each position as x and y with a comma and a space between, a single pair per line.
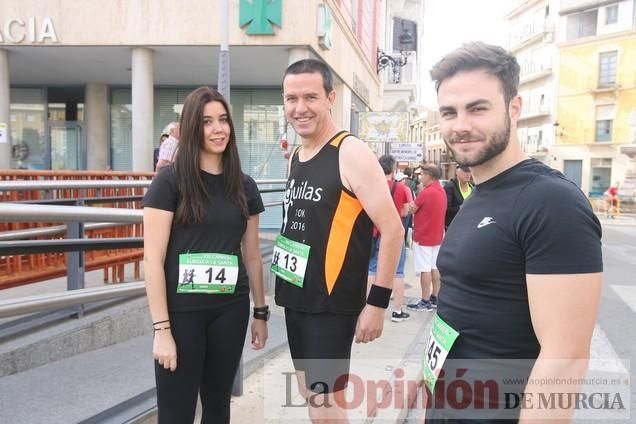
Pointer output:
66, 145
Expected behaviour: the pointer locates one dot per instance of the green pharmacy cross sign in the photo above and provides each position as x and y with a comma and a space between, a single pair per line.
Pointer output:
260, 15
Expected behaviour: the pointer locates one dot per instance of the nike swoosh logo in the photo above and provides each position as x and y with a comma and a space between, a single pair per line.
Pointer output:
486, 221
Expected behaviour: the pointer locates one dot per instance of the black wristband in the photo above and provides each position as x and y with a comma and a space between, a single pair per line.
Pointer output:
261, 308
262, 313
379, 296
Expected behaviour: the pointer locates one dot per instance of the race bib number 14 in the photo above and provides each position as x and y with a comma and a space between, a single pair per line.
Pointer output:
207, 273
289, 260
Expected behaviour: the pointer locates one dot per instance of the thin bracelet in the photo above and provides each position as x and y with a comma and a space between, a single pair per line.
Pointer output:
160, 322
162, 328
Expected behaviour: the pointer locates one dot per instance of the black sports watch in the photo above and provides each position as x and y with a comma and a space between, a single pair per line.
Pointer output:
261, 312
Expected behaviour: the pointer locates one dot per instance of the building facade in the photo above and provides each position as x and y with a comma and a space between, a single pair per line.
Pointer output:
91, 84
532, 39
596, 112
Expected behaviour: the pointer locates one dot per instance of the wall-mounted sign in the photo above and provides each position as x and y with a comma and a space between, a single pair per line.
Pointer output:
31, 30
260, 15
407, 152
323, 29
384, 127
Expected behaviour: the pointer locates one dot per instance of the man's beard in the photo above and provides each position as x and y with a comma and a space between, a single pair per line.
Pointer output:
497, 143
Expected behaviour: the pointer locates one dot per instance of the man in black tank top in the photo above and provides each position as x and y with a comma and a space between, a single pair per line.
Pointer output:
335, 193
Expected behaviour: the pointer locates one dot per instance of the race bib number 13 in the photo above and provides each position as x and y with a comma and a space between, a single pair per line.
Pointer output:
438, 345
207, 273
289, 260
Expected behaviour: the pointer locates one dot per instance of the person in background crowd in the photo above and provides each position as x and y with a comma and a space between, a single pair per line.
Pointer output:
168, 149
401, 195
429, 210
155, 152
457, 190
612, 200
411, 180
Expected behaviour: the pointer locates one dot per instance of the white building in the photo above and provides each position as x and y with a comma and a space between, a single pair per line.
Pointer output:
532, 39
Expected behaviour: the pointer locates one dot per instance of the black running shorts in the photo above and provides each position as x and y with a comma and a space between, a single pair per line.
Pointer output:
320, 345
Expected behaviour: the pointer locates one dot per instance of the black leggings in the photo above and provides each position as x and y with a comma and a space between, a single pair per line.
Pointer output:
209, 347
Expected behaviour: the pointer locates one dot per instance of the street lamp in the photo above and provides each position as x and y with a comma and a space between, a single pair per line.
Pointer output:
396, 63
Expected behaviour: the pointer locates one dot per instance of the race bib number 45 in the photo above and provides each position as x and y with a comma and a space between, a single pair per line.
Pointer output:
289, 260
207, 273
438, 345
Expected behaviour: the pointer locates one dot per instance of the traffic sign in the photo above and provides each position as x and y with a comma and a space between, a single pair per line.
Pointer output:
407, 152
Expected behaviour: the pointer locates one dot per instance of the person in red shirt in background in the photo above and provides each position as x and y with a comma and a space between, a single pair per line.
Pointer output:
612, 200
429, 216
402, 198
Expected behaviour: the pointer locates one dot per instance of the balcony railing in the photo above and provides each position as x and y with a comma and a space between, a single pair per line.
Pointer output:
534, 111
528, 31
532, 70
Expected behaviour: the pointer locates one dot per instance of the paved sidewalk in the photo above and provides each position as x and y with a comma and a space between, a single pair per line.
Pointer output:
399, 350
623, 219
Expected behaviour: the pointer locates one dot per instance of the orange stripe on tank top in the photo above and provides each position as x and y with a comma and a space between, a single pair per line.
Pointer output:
341, 228
338, 138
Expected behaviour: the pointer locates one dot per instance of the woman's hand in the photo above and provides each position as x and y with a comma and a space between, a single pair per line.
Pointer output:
164, 349
259, 334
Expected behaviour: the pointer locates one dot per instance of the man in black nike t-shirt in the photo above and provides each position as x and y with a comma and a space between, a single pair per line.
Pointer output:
520, 265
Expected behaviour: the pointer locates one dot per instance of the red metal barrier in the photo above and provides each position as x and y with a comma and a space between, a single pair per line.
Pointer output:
24, 269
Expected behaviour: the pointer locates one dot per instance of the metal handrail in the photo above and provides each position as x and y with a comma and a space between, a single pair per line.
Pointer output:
28, 247
52, 230
15, 212
44, 302
19, 185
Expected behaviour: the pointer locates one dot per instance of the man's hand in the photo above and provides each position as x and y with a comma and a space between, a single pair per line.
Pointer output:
370, 324
259, 334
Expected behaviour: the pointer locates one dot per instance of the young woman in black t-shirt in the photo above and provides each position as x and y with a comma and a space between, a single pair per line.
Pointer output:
201, 260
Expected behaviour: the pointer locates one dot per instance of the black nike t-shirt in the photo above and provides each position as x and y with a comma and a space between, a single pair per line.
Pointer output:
220, 232
527, 220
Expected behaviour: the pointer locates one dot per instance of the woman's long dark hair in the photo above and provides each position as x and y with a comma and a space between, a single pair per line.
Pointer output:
191, 209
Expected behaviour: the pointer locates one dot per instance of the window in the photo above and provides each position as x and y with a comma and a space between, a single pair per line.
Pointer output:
605, 115
607, 69
611, 14
27, 112
354, 15
603, 130
601, 171
582, 24
404, 35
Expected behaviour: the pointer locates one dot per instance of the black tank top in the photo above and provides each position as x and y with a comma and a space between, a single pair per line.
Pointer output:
320, 212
